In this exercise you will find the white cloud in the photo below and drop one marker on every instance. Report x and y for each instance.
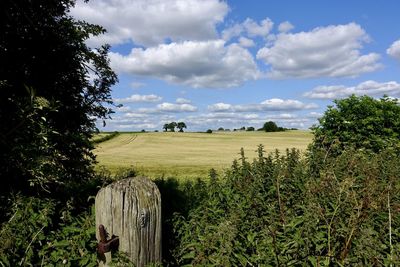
(150, 22)
(371, 88)
(332, 51)
(254, 29)
(169, 107)
(233, 31)
(314, 115)
(274, 104)
(250, 28)
(394, 50)
(208, 64)
(123, 109)
(138, 98)
(246, 42)
(220, 107)
(285, 26)
(288, 104)
(181, 100)
(135, 115)
(136, 126)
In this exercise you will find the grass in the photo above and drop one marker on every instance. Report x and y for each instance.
(189, 155)
(99, 136)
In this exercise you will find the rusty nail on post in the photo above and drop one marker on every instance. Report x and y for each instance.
(106, 245)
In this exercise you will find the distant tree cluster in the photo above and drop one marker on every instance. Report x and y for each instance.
(172, 125)
(271, 126)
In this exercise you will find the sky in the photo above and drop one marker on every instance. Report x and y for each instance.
(213, 63)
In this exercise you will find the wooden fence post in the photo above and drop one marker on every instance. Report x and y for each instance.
(131, 210)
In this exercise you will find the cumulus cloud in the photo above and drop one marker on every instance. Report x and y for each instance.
(371, 88)
(314, 115)
(285, 26)
(150, 22)
(254, 29)
(138, 98)
(394, 50)
(274, 104)
(181, 100)
(169, 107)
(332, 51)
(123, 109)
(246, 42)
(233, 31)
(220, 107)
(288, 104)
(250, 28)
(208, 64)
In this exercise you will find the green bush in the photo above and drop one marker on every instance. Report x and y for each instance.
(105, 138)
(41, 232)
(276, 211)
(359, 122)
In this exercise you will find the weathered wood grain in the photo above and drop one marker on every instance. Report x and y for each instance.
(131, 210)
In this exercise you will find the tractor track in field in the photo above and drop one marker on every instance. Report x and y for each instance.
(130, 139)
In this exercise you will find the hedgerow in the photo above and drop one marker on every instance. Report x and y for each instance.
(275, 211)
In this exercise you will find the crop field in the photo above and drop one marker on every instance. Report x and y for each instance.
(189, 155)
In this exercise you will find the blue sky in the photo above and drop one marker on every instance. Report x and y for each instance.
(230, 64)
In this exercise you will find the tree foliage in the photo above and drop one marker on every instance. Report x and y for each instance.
(181, 125)
(172, 125)
(359, 122)
(48, 103)
(271, 126)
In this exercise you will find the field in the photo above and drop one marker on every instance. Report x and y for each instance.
(189, 155)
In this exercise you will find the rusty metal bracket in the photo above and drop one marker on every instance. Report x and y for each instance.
(105, 245)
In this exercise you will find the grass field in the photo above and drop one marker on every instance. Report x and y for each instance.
(189, 155)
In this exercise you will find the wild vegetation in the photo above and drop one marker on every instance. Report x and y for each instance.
(277, 211)
(48, 107)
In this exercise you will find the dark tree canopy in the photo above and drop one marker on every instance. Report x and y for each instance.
(48, 104)
(172, 125)
(359, 122)
(181, 125)
(270, 126)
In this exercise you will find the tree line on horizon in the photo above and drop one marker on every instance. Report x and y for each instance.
(172, 125)
(268, 126)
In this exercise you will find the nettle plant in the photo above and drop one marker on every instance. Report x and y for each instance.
(277, 211)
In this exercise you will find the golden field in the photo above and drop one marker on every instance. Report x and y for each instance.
(189, 155)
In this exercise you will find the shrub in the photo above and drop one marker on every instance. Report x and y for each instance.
(359, 122)
(275, 211)
(105, 138)
(42, 232)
